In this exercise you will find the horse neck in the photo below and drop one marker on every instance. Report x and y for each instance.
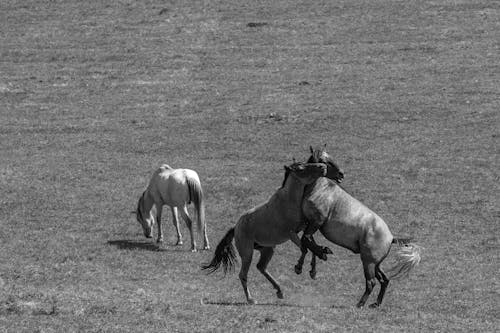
(292, 191)
(147, 203)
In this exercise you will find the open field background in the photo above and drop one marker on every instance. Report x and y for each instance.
(94, 95)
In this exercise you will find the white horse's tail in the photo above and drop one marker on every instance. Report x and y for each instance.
(196, 197)
(407, 258)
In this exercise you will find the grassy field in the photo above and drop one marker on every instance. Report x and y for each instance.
(94, 95)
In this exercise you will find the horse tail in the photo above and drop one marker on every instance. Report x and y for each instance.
(196, 196)
(407, 258)
(224, 255)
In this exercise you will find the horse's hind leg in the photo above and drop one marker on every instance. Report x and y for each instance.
(369, 269)
(206, 245)
(266, 253)
(246, 253)
(384, 282)
(175, 218)
(158, 221)
(189, 223)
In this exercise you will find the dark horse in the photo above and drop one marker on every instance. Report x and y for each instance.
(267, 225)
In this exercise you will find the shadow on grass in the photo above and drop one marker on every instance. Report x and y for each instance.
(228, 303)
(127, 244)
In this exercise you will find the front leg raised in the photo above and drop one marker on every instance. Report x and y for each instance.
(296, 240)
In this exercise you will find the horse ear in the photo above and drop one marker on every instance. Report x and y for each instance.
(324, 147)
(311, 149)
(287, 168)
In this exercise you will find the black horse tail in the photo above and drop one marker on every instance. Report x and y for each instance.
(224, 255)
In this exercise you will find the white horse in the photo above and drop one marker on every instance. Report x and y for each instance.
(176, 188)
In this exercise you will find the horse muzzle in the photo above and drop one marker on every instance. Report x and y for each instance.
(340, 178)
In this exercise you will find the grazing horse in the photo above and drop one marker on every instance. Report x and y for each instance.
(347, 222)
(267, 225)
(176, 188)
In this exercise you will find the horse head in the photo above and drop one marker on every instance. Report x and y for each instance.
(145, 223)
(320, 155)
(306, 173)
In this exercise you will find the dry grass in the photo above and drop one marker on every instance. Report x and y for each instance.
(95, 95)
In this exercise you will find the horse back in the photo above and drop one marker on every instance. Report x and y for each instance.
(169, 186)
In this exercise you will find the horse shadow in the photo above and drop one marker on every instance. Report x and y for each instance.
(278, 304)
(127, 244)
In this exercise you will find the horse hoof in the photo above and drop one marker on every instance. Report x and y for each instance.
(360, 305)
(251, 301)
(312, 274)
(159, 240)
(206, 248)
(279, 294)
(374, 305)
(194, 250)
(326, 250)
(179, 243)
(298, 270)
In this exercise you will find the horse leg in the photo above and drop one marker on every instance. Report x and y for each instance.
(312, 272)
(175, 218)
(300, 262)
(369, 269)
(189, 223)
(308, 241)
(266, 253)
(296, 240)
(246, 253)
(200, 215)
(206, 245)
(384, 282)
(158, 221)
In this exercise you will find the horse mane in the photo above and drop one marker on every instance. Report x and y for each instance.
(319, 155)
(138, 211)
(315, 156)
(287, 173)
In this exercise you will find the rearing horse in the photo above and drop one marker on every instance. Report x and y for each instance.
(176, 188)
(347, 222)
(267, 225)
